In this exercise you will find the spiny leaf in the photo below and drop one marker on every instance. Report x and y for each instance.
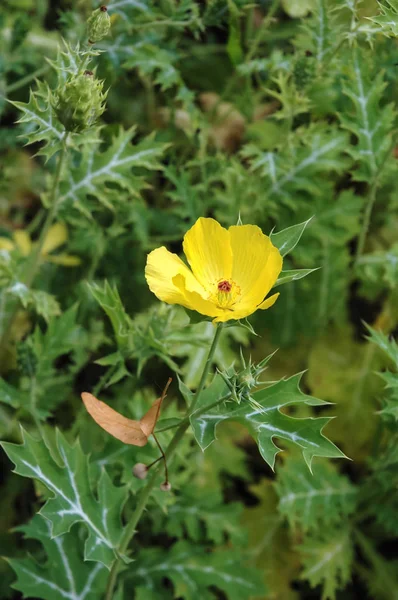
(316, 151)
(43, 303)
(113, 166)
(315, 500)
(328, 562)
(203, 516)
(370, 122)
(156, 62)
(387, 20)
(270, 547)
(73, 500)
(265, 421)
(64, 575)
(43, 125)
(192, 570)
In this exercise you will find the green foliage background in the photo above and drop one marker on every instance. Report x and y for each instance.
(276, 113)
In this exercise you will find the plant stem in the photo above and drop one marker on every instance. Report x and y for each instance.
(27, 79)
(34, 262)
(206, 370)
(130, 529)
(35, 259)
(261, 30)
(196, 413)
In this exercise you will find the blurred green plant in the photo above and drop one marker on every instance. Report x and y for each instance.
(140, 119)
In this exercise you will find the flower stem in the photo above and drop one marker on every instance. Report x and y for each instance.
(34, 262)
(206, 370)
(130, 529)
(27, 79)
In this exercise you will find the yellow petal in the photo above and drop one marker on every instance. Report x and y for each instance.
(66, 260)
(256, 264)
(23, 241)
(208, 250)
(161, 267)
(268, 302)
(6, 244)
(194, 300)
(56, 236)
(247, 310)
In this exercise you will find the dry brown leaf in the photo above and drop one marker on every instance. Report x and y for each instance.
(126, 430)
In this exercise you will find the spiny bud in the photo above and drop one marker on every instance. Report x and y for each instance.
(165, 486)
(140, 471)
(98, 25)
(80, 101)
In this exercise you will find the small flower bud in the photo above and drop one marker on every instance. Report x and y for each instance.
(140, 471)
(98, 25)
(165, 486)
(79, 102)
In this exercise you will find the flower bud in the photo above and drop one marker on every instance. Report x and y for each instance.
(98, 25)
(165, 486)
(140, 471)
(80, 101)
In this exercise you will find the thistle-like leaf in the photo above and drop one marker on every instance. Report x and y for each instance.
(316, 151)
(370, 121)
(328, 562)
(193, 570)
(42, 124)
(64, 575)
(97, 170)
(310, 501)
(265, 421)
(73, 501)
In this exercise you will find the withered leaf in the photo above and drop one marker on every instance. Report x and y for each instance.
(126, 430)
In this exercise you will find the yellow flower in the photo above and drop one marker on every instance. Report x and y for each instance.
(57, 236)
(232, 271)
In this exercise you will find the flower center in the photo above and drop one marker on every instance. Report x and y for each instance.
(224, 286)
(225, 293)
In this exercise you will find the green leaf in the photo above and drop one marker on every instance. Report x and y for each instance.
(293, 275)
(109, 300)
(328, 562)
(287, 239)
(64, 575)
(312, 501)
(98, 171)
(264, 420)
(234, 44)
(193, 570)
(386, 343)
(44, 304)
(370, 121)
(318, 152)
(73, 501)
(157, 63)
(11, 395)
(270, 546)
(203, 516)
(387, 20)
(40, 117)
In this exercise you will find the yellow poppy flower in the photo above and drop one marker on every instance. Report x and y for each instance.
(231, 271)
(57, 236)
